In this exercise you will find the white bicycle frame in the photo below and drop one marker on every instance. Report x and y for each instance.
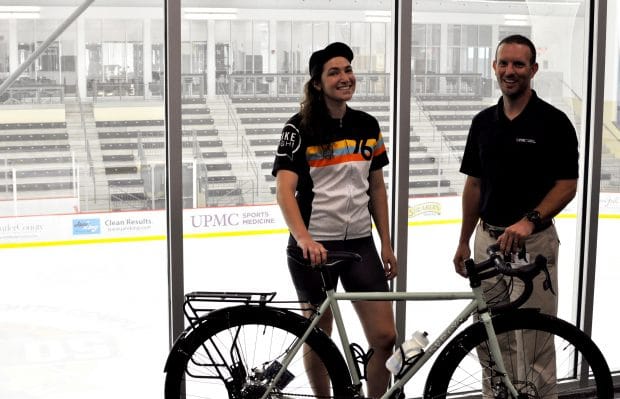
(332, 299)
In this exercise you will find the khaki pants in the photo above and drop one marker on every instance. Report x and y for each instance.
(536, 357)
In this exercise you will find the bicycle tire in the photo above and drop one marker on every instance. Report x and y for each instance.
(262, 335)
(458, 370)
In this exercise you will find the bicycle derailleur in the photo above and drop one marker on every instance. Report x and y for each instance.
(255, 385)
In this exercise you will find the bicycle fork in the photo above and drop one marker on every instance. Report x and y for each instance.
(494, 348)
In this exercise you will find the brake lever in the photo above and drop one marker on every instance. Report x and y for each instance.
(547, 285)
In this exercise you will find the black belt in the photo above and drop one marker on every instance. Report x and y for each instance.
(496, 231)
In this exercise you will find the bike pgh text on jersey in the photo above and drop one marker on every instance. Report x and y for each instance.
(332, 187)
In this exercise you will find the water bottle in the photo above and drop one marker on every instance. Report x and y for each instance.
(410, 348)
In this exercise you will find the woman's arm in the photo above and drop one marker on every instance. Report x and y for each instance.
(286, 185)
(379, 212)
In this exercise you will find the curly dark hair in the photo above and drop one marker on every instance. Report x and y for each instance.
(314, 114)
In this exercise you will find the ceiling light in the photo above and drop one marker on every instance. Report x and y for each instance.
(19, 12)
(210, 13)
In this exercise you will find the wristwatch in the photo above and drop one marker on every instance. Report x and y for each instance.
(534, 217)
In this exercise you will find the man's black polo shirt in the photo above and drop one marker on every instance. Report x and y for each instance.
(519, 161)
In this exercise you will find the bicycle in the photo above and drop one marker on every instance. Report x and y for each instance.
(255, 349)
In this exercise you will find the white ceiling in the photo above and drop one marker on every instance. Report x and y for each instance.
(556, 7)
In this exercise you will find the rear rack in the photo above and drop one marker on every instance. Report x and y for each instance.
(198, 304)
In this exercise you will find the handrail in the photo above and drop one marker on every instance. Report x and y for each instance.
(574, 93)
(200, 163)
(89, 157)
(611, 131)
(250, 161)
(124, 203)
(229, 110)
(39, 50)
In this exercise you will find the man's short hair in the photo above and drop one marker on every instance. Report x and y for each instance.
(519, 39)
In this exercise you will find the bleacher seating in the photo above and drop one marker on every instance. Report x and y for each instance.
(40, 152)
(450, 118)
(129, 146)
(36, 157)
(263, 121)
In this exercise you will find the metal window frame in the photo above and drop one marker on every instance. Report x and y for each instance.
(174, 166)
(403, 13)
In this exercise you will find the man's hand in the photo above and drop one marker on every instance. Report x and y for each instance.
(514, 236)
(462, 254)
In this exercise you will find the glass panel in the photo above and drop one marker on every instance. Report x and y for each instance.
(607, 274)
(302, 48)
(223, 57)
(442, 110)
(284, 47)
(360, 44)
(83, 282)
(343, 32)
(157, 59)
(68, 60)
(4, 48)
(230, 140)
(242, 44)
(320, 33)
(26, 46)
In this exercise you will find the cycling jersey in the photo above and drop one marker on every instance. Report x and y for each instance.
(332, 188)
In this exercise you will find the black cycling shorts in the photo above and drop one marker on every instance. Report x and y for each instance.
(365, 276)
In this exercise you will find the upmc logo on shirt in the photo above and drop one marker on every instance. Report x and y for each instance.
(290, 141)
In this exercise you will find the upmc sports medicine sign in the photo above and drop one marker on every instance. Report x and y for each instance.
(100, 227)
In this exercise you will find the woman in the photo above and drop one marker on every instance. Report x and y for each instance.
(329, 181)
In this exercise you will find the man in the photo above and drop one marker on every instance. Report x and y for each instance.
(521, 162)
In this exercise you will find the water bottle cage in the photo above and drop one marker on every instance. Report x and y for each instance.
(405, 364)
(361, 358)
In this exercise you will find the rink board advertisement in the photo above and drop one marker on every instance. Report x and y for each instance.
(120, 226)
(206, 222)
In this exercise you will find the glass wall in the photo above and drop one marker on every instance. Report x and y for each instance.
(262, 65)
(607, 275)
(83, 287)
(4, 50)
(442, 109)
(82, 298)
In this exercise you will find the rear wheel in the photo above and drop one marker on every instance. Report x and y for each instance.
(236, 352)
(458, 370)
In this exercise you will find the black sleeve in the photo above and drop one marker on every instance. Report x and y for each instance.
(290, 154)
(565, 151)
(471, 164)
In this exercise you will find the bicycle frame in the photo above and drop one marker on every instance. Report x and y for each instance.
(477, 301)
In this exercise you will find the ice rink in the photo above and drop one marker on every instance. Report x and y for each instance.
(90, 320)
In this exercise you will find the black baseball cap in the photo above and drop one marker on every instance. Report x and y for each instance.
(320, 57)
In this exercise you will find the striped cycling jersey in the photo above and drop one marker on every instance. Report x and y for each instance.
(332, 188)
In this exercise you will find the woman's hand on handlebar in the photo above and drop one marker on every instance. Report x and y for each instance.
(312, 251)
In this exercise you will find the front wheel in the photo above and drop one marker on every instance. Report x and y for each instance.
(464, 366)
(236, 352)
